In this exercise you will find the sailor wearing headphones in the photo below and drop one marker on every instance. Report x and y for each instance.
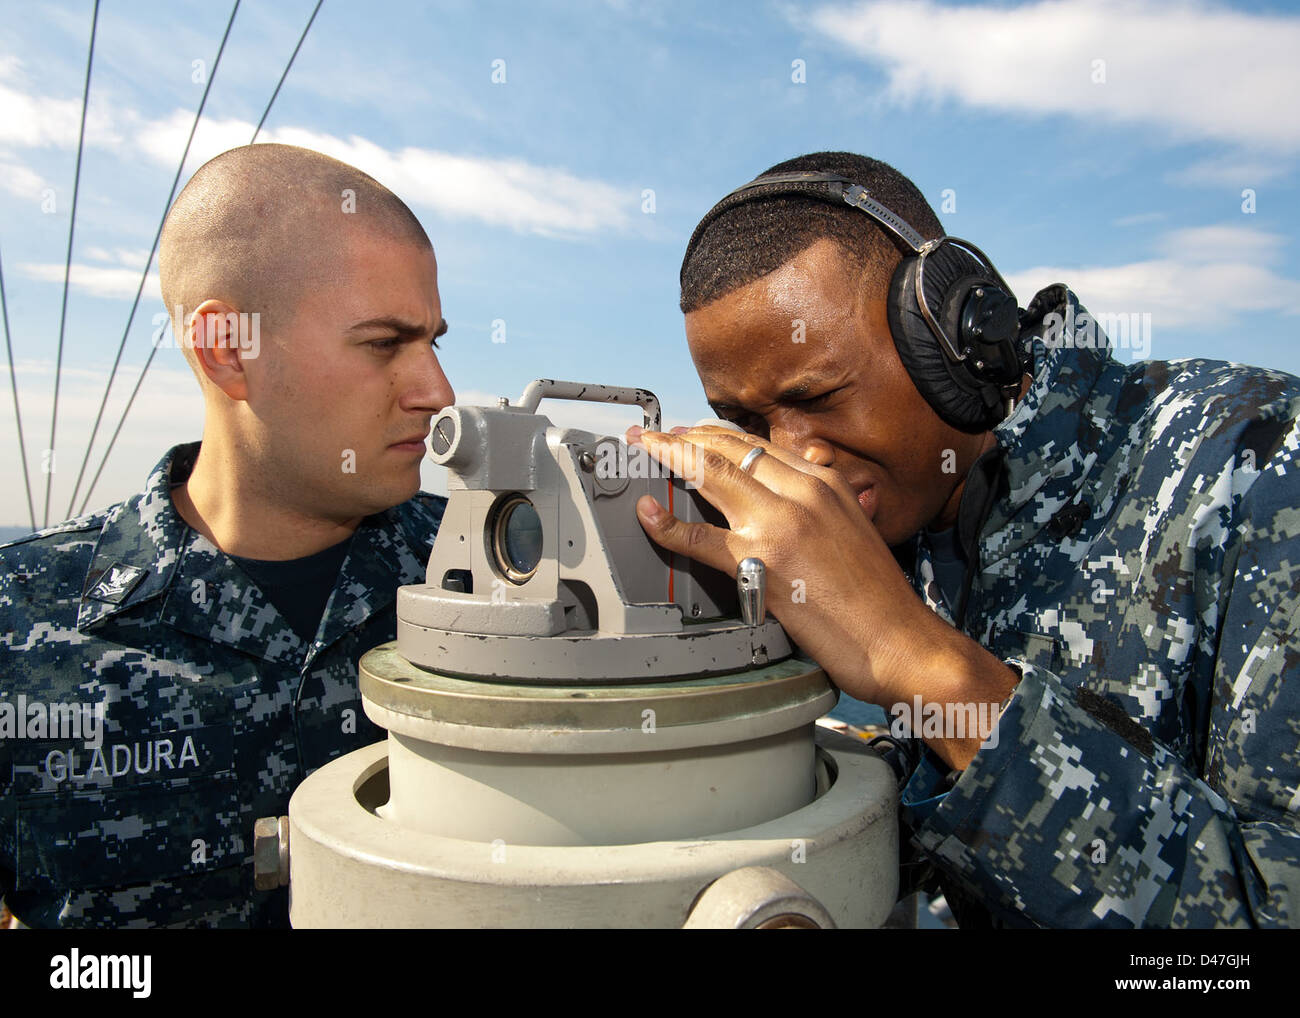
(1078, 579)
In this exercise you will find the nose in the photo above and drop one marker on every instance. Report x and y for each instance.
(792, 433)
(425, 385)
(818, 452)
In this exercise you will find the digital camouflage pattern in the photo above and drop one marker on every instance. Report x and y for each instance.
(214, 708)
(1140, 564)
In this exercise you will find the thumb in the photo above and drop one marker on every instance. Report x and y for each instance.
(699, 541)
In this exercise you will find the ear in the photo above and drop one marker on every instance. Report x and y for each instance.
(219, 335)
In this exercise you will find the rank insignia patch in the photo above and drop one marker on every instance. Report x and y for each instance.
(116, 582)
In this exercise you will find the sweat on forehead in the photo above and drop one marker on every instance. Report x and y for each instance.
(258, 225)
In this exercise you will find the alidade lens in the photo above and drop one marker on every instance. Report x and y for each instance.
(517, 538)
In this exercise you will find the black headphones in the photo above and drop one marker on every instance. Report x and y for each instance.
(942, 288)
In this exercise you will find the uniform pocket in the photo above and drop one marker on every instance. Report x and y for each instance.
(128, 812)
(1036, 649)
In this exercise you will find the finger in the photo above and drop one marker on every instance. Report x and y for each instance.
(633, 434)
(785, 455)
(710, 472)
(777, 468)
(699, 541)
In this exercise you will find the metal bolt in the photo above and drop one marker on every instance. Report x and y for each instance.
(587, 461)
(788, 921)
(270, 853)
(757, 897)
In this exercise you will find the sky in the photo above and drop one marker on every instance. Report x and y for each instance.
(560, 154)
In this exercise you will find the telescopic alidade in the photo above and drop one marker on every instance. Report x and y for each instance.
(584, 730)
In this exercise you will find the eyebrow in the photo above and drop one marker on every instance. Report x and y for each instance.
(400, 326)
(791, 394)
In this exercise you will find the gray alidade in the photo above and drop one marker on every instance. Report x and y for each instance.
(541, 572)
(584, 730)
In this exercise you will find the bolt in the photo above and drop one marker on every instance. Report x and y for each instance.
(270, 853)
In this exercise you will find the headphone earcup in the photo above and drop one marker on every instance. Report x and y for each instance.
(961, 400)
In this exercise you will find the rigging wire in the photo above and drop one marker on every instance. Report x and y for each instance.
(149, 360)
(144, 276)
(13, 380)
(292, 57)
(48, 465)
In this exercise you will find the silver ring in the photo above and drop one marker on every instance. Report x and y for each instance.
(750, 456)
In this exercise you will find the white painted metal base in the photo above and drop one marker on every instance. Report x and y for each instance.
(351, 867)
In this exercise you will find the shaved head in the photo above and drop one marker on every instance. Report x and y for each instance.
(263, 226)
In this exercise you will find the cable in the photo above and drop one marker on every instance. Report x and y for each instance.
(292, 57)
(144, 276)
(67, 268)
(13, 380)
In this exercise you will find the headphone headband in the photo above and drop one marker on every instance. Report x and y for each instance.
(969, 294)
(835, 189)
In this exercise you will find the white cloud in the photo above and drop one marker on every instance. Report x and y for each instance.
(131, 257)
(1228, 171)
(504, 192)
(1204, 276)
(42, 121)
(1223, 243)
(163, 140)
(1199, 70)
(513, 193)
(96, 280)
(21, 180)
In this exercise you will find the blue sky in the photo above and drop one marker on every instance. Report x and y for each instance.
(1123, 179)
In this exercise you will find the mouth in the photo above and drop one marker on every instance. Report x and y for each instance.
(413, 444)
(867, 500)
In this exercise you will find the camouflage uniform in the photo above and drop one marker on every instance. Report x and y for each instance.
(214, 708)
(1138, 543)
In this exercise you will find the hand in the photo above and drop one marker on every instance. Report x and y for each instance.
(832, 581)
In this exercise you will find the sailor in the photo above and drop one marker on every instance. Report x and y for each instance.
(968, 513)
(216, 618)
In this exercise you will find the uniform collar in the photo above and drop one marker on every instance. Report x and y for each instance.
(1055, 419)
(140, 544)
(388, 550)
(149, 564)
(1050, 443)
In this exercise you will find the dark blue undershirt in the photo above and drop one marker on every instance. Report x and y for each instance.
(298, 588)
(949, 565)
